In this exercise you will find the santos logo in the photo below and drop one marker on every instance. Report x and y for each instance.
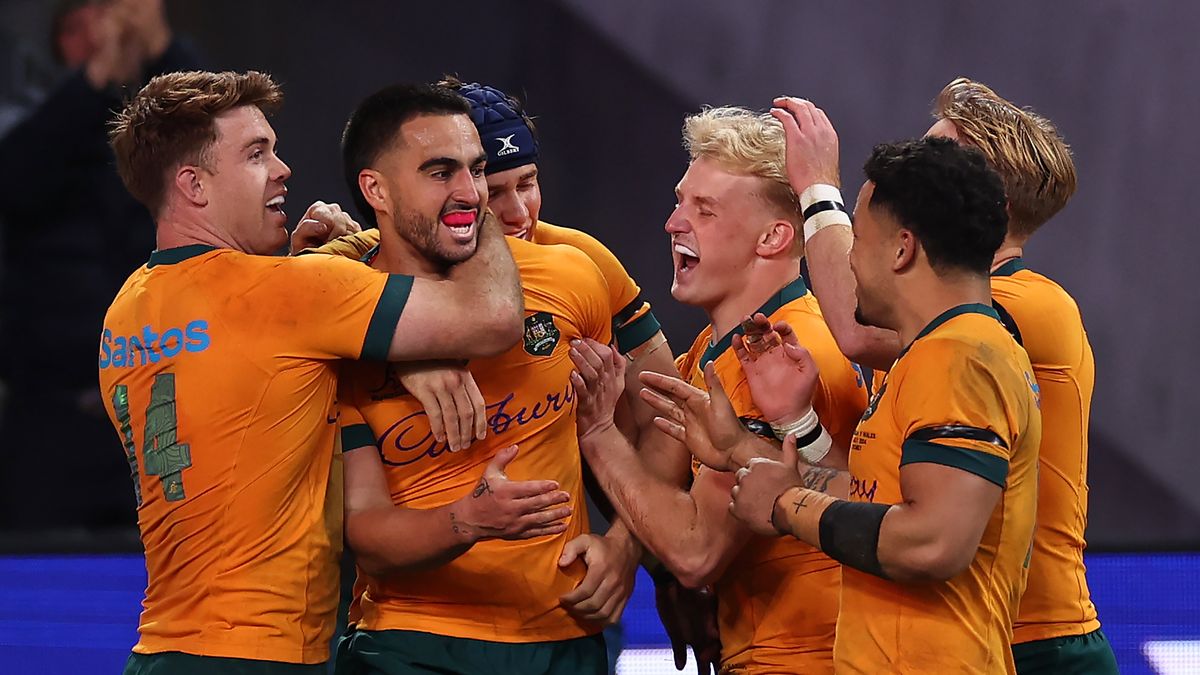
(150, 347)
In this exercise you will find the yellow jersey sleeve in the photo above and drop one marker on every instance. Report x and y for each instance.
(353, 246)
(330, 307)
(632, 321)
(352, 426)
(952, 411)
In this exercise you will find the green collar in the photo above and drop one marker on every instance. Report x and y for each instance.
(1010, 268)
(792, 291)
(170, 256)
(369, 256)
(969, 308)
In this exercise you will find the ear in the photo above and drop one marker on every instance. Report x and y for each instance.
(906, 250)
(190, 184)
(778, 239)
(370, 183)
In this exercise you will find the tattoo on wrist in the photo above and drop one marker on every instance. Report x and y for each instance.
(804, 501)
(817, 478)
(481, 488)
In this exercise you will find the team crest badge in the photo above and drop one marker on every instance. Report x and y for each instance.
(541, 335)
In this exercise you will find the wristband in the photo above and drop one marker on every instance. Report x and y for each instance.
(812, 440)
(822, 220)
(819, 192)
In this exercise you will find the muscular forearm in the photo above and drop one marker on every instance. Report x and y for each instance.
(392, 540)
(488, 283)
(894, 542)
(663, 516)
(828, 255)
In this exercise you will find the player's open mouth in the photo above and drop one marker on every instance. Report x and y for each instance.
(461, 225)
(276, 205)
(685, 258)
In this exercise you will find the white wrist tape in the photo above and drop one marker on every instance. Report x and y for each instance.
(819, 192)
(822, 220)
(812, 440)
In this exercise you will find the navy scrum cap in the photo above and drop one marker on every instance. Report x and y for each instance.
(507, 139)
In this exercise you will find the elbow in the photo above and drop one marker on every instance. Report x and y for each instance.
(933, 562)
(693, 570)
(504, 325)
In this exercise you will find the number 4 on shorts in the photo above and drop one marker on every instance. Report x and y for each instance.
(165, 456)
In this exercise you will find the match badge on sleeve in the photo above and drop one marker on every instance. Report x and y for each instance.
(541, 335)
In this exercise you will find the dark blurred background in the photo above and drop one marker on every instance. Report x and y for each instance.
(609, 83)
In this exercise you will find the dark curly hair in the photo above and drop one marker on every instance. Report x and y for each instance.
(947, 195)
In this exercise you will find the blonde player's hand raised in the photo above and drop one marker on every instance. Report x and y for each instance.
(321, 224)
(783, 378)
(704, 421)
(608, 582)
(812, 143)
(759, 485)
(500, 508)
(452, 401)
(599, 381)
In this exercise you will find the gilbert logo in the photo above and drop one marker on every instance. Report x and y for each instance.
(507, 147)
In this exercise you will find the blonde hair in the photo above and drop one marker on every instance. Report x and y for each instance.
(745, 142)
(170, 122)
(1025, 148)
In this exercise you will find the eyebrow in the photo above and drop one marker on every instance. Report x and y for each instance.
(449, 162)
(261, 140)
(528, 175)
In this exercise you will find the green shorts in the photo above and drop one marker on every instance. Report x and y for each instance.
(405, 652)
(1087, 654)
(178, 663)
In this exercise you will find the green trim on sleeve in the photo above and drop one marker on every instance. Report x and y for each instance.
(357, 436)
(635, 333)
(387, 313)
(988, 467)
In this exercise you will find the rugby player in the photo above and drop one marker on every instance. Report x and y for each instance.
(737, 250)
(440, 589)
(936, 534)
(219, 369)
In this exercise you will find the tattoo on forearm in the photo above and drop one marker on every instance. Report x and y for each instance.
(481, 488)
(817, 478)
(802, 502)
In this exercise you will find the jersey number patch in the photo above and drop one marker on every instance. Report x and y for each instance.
(164, 455)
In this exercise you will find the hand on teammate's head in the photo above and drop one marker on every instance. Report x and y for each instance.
(812, 143)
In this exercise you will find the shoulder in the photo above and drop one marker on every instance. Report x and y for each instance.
(350, 246)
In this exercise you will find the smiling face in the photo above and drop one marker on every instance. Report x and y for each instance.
(245, 181)
(871, 261)
(714, 231)
(516, 198)
(434, 184)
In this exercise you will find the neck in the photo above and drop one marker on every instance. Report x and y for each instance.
(1013, 247)
(175, 229)
(763, 280)
(398, 256)
(922, 301)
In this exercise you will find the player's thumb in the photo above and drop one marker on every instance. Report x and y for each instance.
(791, 455)
(495, 468)
(573, 550)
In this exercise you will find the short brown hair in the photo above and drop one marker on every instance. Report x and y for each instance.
(170, 123)
(1025, 148)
